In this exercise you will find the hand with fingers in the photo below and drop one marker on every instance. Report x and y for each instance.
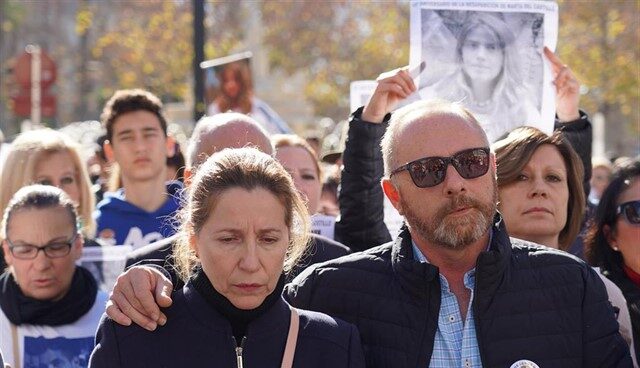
(393, 86)
(567, 88)
(138, 295)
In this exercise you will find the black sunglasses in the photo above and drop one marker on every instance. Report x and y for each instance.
(431, 171)
(631, 211)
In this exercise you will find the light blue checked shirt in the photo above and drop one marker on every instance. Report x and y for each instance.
(455, 344)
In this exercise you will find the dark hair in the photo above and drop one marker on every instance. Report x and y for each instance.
(177, 161)
(597, 249)
(130, 100)
(99, 151)
(38, 197)
(245, 168)
(515, 151)
(330, 185)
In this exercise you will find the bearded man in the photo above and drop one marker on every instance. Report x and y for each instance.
(453, 289)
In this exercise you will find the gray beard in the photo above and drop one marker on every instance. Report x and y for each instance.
(451, 233)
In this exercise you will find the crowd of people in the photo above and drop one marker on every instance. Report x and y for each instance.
(512, 254)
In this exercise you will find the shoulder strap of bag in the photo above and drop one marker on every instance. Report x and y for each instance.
(292, 339)
(16, 345)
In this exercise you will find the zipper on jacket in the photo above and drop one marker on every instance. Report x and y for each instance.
(239, 351)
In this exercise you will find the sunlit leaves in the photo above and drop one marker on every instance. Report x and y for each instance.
(599, 41)
(84, 19)
(149, 47)
(336, 43)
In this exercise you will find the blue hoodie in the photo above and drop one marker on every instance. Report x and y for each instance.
(121, 223)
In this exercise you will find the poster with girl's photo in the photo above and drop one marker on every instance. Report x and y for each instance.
(489, 56)
(229, 86)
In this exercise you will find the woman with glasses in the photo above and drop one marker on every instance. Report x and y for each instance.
(613, 240)
(49, 307)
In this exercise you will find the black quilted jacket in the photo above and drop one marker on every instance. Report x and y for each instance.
(531, 302)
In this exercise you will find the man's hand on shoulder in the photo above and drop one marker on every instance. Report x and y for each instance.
(138, 295)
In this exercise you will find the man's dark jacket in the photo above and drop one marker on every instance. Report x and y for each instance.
(530, 302)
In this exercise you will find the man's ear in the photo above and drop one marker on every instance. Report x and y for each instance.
(108, 151)
(392, 193)
(171, 146)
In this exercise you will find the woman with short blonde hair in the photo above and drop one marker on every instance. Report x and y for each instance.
(32, 151)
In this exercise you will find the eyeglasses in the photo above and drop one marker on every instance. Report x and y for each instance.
(631, 212)
(431, 171)
(56, 249)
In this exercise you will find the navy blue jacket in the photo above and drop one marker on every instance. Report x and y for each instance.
(196, 335)
(530, 302)
(122, 223)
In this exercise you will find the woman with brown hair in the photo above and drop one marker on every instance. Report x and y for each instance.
(542, 199)
(243, 227)
(540, 186)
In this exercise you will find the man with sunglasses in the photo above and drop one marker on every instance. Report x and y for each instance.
(453, 289)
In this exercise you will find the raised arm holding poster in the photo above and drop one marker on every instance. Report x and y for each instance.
(489, 56)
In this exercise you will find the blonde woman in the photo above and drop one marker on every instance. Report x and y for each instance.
(49, 157)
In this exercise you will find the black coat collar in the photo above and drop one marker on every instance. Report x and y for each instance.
(273, 321)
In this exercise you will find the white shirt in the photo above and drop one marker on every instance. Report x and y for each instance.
(66, 345)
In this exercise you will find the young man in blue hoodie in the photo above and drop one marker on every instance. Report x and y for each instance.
(142, 211)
